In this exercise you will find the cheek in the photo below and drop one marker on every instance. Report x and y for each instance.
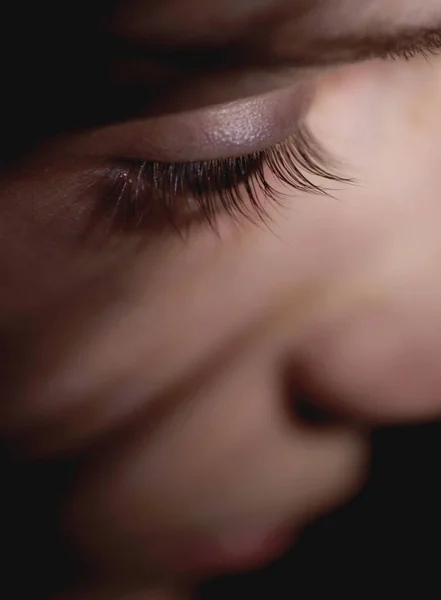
(43, 214)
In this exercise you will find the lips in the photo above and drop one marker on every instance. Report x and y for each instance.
(239, 551)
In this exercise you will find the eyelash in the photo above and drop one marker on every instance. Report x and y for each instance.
(428, 45)
(155, 194)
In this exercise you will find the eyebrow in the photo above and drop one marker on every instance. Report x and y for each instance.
(406, 42)
(242, 53)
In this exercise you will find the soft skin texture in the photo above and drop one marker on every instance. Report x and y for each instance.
(171, 365)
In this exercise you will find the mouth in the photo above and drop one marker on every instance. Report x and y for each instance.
(209, 556)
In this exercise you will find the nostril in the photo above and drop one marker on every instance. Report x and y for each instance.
(304, 406)
(309, 412)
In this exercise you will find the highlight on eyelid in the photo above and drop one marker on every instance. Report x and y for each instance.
(133, 194)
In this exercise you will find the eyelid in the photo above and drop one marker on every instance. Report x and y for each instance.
(233, 129)
(133, 195)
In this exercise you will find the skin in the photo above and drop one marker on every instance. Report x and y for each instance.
(170, 366)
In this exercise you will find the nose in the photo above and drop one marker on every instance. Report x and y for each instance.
(231, 458)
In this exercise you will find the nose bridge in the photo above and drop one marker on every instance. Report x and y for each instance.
(285, 342)
(293, 314)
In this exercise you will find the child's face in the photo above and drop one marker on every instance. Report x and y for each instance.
(181, 370)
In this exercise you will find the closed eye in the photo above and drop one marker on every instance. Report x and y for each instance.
(136, 193)
(139, 194)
